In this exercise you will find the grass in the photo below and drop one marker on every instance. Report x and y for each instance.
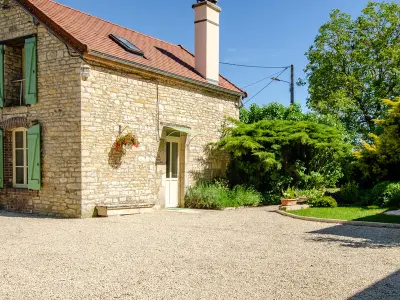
(366, 214)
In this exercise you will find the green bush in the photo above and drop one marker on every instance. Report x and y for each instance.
(391, 195)
(349, 193)
(217, 196)
(310, 194)
(246, 196)
(272, 155)
(271, 198)
(326, 201)
(376, 194)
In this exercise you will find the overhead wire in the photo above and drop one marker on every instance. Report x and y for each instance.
(265, 78)
(252, 66)
(267, 85)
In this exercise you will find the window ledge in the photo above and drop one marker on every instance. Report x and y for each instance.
(12, 110)
(20, 187)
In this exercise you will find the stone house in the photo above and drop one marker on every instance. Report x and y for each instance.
(71, 84)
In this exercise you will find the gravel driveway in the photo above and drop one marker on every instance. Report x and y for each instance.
(242, 254)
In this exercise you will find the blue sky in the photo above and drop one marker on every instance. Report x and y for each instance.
(258, 32)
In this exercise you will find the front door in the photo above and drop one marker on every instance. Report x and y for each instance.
(172, 175)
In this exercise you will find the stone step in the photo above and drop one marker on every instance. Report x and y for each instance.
(124, 209)
(294, 207)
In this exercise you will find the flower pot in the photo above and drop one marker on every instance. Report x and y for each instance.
(288, 202)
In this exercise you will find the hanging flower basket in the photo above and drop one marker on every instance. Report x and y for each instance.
(127, 140)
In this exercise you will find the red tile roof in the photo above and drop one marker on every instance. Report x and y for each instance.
(89, 34)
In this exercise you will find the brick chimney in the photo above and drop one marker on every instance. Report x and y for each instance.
(206, 21)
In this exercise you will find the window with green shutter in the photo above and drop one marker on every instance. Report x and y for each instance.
(1, 75)
(30, 71)
(34, 169)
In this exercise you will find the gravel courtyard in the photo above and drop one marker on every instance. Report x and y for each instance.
(241, 254)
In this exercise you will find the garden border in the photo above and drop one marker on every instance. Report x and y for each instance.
(343, 222)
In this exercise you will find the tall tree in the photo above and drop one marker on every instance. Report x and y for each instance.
(354, 64)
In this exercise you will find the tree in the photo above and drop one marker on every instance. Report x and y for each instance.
(276, 111)
(380, 160)
(272, 155)
(353, 64)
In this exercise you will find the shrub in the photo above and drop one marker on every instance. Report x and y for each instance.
(326, 201)
(210, 196)
(217, 196)
(271, 198)
(310, 194)
(376, 194)
(380, 160)
(391, 195)
(272, 155)
(246, 196)
(349, 193)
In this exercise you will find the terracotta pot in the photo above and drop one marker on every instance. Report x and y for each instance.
(288, 202)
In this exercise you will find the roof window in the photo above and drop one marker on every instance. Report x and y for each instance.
(127, 45)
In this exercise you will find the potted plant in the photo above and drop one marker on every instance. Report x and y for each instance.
(289, 197)
(127, 140)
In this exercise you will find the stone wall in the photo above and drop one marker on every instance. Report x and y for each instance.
(12, 72)
(80, 121)
(58, 112)
(116, 99)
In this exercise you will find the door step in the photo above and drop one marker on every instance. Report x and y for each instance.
(123, 209)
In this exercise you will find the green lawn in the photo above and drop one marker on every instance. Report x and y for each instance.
(349, 214)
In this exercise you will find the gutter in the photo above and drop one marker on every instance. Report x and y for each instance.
(164, 73)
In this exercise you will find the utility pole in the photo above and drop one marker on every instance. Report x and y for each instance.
(291, 84)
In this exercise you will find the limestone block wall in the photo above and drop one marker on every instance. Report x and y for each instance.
(114, 100)
(58, 111)
(12, 72)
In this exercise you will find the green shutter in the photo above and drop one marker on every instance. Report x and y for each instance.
(1, 160)
(34, 172)
(1, 75)
(30, 71)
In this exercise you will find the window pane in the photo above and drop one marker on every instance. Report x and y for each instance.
(174, 160)
(19, 176)
(19, 158)
(168, 160)
(19, 139)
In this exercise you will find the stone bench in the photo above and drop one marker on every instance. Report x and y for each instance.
(123, 209)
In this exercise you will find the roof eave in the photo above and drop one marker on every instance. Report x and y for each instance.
(57, 30)
(164, 73)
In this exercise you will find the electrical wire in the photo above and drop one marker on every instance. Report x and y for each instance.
(270, 76)
(260, 91)
(250, 66)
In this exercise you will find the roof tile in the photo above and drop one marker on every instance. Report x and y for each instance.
(93, 33)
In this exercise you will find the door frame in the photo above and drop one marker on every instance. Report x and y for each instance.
(172, 139)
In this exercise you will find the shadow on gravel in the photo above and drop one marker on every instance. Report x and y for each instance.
(358, 237)
(8, 214)
(388, 289)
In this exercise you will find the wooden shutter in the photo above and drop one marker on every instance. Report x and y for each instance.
(1, 75)
(1, 159)
(34, 168)
(30, 71)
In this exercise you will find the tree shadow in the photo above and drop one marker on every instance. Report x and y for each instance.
(388, 289)
(213, 165)
(358, 236)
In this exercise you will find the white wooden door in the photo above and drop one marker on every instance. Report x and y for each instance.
(172, 175)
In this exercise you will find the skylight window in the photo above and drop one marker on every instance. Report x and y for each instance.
(127, 45)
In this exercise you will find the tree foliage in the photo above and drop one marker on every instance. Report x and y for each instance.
(380, 160)
(274, 154)
(276, 111)
(353, 64)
